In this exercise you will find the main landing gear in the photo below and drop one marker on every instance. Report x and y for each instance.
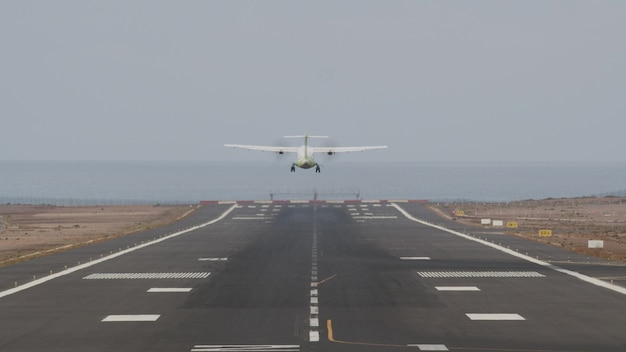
(293, 168)
(317, 168)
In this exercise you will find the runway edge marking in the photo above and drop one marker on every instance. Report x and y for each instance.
(575, 274)
(109, 257)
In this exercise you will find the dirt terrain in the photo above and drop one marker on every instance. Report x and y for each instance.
(572, 221)
(27, 231)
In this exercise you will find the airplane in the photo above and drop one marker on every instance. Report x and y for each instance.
(305, 152)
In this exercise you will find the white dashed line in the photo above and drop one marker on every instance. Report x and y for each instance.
(137, 317)
(314, 336)
(245, 348)
(494, 316)
(252, 217)
(375, 217)
(457, 288)
(415, 258)
(169, 289)
(109, 257)
(575, 274)
(223, 259)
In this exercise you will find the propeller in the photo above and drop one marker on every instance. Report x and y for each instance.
(280, 156)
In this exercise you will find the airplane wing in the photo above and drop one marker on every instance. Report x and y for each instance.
(279, 150)
(333, 150)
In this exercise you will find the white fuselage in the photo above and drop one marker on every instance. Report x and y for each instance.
(305, 158)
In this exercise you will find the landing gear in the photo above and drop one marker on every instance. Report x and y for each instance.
(293, 168)
(317, 168)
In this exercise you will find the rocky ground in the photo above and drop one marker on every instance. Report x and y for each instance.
(572, 221)
(27, 231)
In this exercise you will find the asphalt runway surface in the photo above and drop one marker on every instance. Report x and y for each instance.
(370, 276)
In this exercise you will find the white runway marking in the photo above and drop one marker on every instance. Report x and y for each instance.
(457, 288)
(575, 274)
(314, 323)
(480, 274)
(494, 316)
(429, 347)
(223, 259)
(375, 217)
(245, 348)
(137, 317)
(169, 289)
(253, 217)
(109, 257)
(415, 258)
(144, 276)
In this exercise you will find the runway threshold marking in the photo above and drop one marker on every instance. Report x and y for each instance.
(109, 257)
(575, 274)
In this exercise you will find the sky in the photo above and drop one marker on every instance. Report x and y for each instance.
(436, 81)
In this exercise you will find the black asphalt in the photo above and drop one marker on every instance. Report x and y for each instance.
(291, 265)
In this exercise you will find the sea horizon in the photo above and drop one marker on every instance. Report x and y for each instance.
(103, 182)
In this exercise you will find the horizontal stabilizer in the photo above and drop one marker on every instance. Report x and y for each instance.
(305, 136)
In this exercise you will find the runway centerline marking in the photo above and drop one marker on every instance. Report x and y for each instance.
(575, 274)
(109, 257)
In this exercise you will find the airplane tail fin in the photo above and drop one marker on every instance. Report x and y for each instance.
(305, 136)
(306, 141)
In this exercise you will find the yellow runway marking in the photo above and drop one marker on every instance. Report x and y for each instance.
(326, 279)
(331, 338)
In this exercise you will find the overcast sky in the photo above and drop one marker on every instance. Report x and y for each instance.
(434, 80)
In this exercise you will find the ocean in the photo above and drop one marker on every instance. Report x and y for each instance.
(174, 182)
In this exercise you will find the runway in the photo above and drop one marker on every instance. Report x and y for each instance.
(344, 276)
